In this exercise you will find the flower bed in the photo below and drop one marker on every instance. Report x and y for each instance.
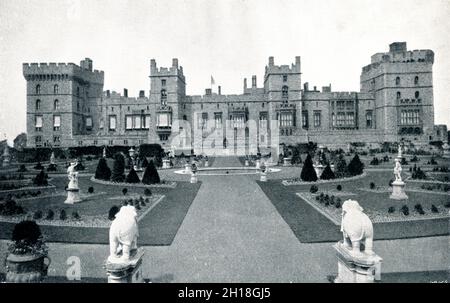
(300, 182)
(163, 184)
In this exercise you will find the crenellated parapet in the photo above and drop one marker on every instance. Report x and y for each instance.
(271, 68)
(174, 70)
(62, 71)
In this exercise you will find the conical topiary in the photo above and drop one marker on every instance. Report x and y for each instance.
(132, 177)
(118, 170)
(355, 167)
(327, 173)
(144, 163)
(103, 172)
(41, 179)
(151, 174)
(308, 173)
(341, 167)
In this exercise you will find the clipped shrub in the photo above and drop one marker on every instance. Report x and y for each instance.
(147, 192)
(132, 177)
(147, 200)
(391, 209)
(117, 174)
(76, 215)
(327, 203)
(355, 167)
(27, 239)
(62, 215)
(137, 206)
(144, 163)
(124, 191)
(339, 187)
(434, 209)
(419, 209)
(447, 204)
(375, 161)
(91, 190)
(372, 185)
(79, 166)
(313, 189)
(22, 168)
(308, 173)
(50, 215)
(37, 215)
(341, 167)
(405, 210)
(51, 167)
(112, 212)
(327, 173)
(103, 172)
(41, 179)
(151, 175)
(39, 166)
(338, 203)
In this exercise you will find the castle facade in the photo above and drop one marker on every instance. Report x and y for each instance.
(67, 106)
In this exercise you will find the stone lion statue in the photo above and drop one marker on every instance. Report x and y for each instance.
(123, 235)
(356, 228)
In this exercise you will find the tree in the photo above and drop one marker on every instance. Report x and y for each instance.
(132, 177)
(144, 163)
(296, 158)
(308, 172)
(118, 170)
(151, 174)
(20, 142)
(41, 179)
(341, 167)
(327, 173)
(103, 172)
(355, 167)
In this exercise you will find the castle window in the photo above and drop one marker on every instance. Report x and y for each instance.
(410, 117)
(416, 95)
(218, 120)
(164, 120)
(399, 95)
(38, 89)
(95, 142)
(137, 122)
(262, 105)
(317, 118)
(285, 78)
(101, 124)
(78, 105)
(286, 119)
(397, 81)
(78, 91)
(56, 139)
(184, 117)
(217, 105)
(128, 122)
(163, 137)
(263, 120)
(56, 122)
(305, 119)
(163, 82)
(163, 97)
(89, 123)
(147, 122)
(38, 104)
(38, 140)
(369, 119)
(333, 119)
(202, 120)
(416, 80)
(38, 123)
(284, 92)
(56, 105)
(111, 142)
(125, 142)
(56, 89)
(112, 122)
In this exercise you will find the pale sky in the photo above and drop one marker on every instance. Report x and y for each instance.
(229, 39)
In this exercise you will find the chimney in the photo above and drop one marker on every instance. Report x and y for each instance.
(219, 90)
(245, 83)
(175, 62)
(315, 88)
(305, 86)
(270, 61)
(125, 93)
(108, 93)
(208, 92)
(253, 81)
(297, 60)
(153, 68)
(142, 94)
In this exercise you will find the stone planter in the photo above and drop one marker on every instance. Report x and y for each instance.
(246, 163)
(258, 164)
(166, 164)
(26, 268)
(287, 161)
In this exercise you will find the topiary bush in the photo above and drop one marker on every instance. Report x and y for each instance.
(75, 215)
(22, 168)
(103, 172)
(62, 215)
(91, 190)
(338, 203)
(144, 163)
(27, 239)
(434, 209)
(51, 167)
(313, 189)
(132, 177)
(405, 210)
(391, 209)
(418, 207)
(308, 173)
(50, 215)
(151, 175)
(39, 166)
(117, 174)
(124, 191)
(37, 215)
(372, 185)
(355, 167)
(147, 192)
(41, 179)
(327, 173)
(341, 167)
(339, 187)
(112, 212)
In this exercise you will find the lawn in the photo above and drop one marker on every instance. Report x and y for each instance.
(311, 226)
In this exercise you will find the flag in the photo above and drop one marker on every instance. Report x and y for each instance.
(212, 80)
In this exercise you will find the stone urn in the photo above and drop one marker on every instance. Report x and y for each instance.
(26, 268)
(166, 163)
(246, 162)
(287, 161)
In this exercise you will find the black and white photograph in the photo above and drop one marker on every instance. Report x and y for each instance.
(227, 142)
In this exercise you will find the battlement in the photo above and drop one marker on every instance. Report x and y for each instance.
(271, 68)
(47, 71)
(174, 70)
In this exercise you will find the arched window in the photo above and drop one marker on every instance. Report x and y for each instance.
(56, 105)
(56, 89)
(184, 118)
(399, 95)
(416, 95)
(397, 81)
(284, 92)
(38, 104)
(38, 89)
(416, 80)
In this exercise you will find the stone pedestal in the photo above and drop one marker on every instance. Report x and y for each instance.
(166, 163)
(130, 272)
(246, 162)
(194, 177)
(206, 163)
(287, 161)
(187, 168)
(398, 191)
(73, 196)
(356, 268)
(263, 177)
(258, 164)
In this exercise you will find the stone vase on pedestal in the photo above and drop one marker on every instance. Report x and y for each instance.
(166, 163)
(246, 162)
(194, 177)
(263, 177)
(258, 164)
(26, 268)
(187, 168)
(398, 191)
(287, 161)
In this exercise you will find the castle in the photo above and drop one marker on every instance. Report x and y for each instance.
(67, 106)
